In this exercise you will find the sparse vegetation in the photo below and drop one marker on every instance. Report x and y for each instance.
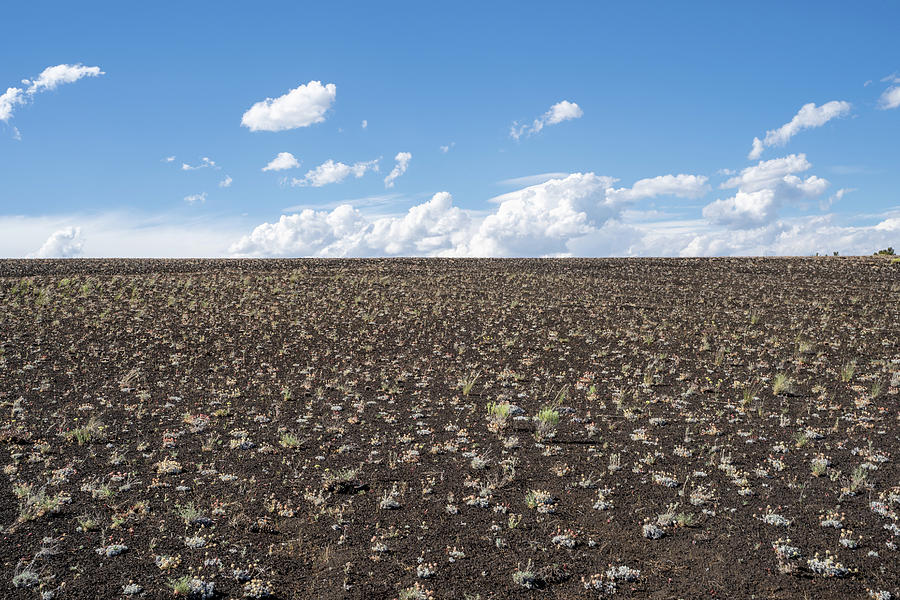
(782, 384)
(499, 414)
(91, 431)
(422, 429)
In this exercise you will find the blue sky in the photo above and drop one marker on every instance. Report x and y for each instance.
(646, 115)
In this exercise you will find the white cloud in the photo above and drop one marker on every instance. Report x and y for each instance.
(225, 183)
(534, 221)
(744, 209)
(563, 111)
(613, 238)
(682, 186)
(204, 163)
(8, 101)
(307, 233)
(300, 107)
(196, 198)
(64, 243)
(797, 237)
(284, 160)
(559, 112)
(169, 159)
(365, 123)
(756, 149)
(52, 77)
(541, 219)
(761, 191)
(767, 173)
(446, 149)
(577, 213)
(125, 234)
(891, 225)
(889, 99)
(434, 227)
(334, 172)
(825, 204)
(838, 195)
(809, 116)
(402, 159)
(800, 236)
(49, 79)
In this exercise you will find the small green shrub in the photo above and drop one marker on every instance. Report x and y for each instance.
(547, 419)
(782, 384)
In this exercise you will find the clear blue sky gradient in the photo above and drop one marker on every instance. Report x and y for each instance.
(665, 88)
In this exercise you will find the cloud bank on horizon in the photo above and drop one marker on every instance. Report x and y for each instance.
(582, 214)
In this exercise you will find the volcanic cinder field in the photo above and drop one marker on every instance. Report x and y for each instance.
(635, 428)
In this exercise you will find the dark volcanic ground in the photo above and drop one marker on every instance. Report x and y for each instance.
(322, 428)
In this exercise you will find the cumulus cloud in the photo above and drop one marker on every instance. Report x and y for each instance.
(682, 186)
(584, 214)
(8, 101)
(49, 79)
(538, 220)
(196, 198)
(890, 98)
(64, 243)
(205, 162)
(580, 214)
(563, 111)
(541, 219)
(767, 173)
(891, 225)
(225, 183)
(169, 159)
(284, 160)
(809, 116)
(365, 123)
(402, 162)
(762, 189)
(307, 233)
(744, 209)
(302, 106)
(559, 112)
(432, 228)
(446, 149)
(334, 172)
